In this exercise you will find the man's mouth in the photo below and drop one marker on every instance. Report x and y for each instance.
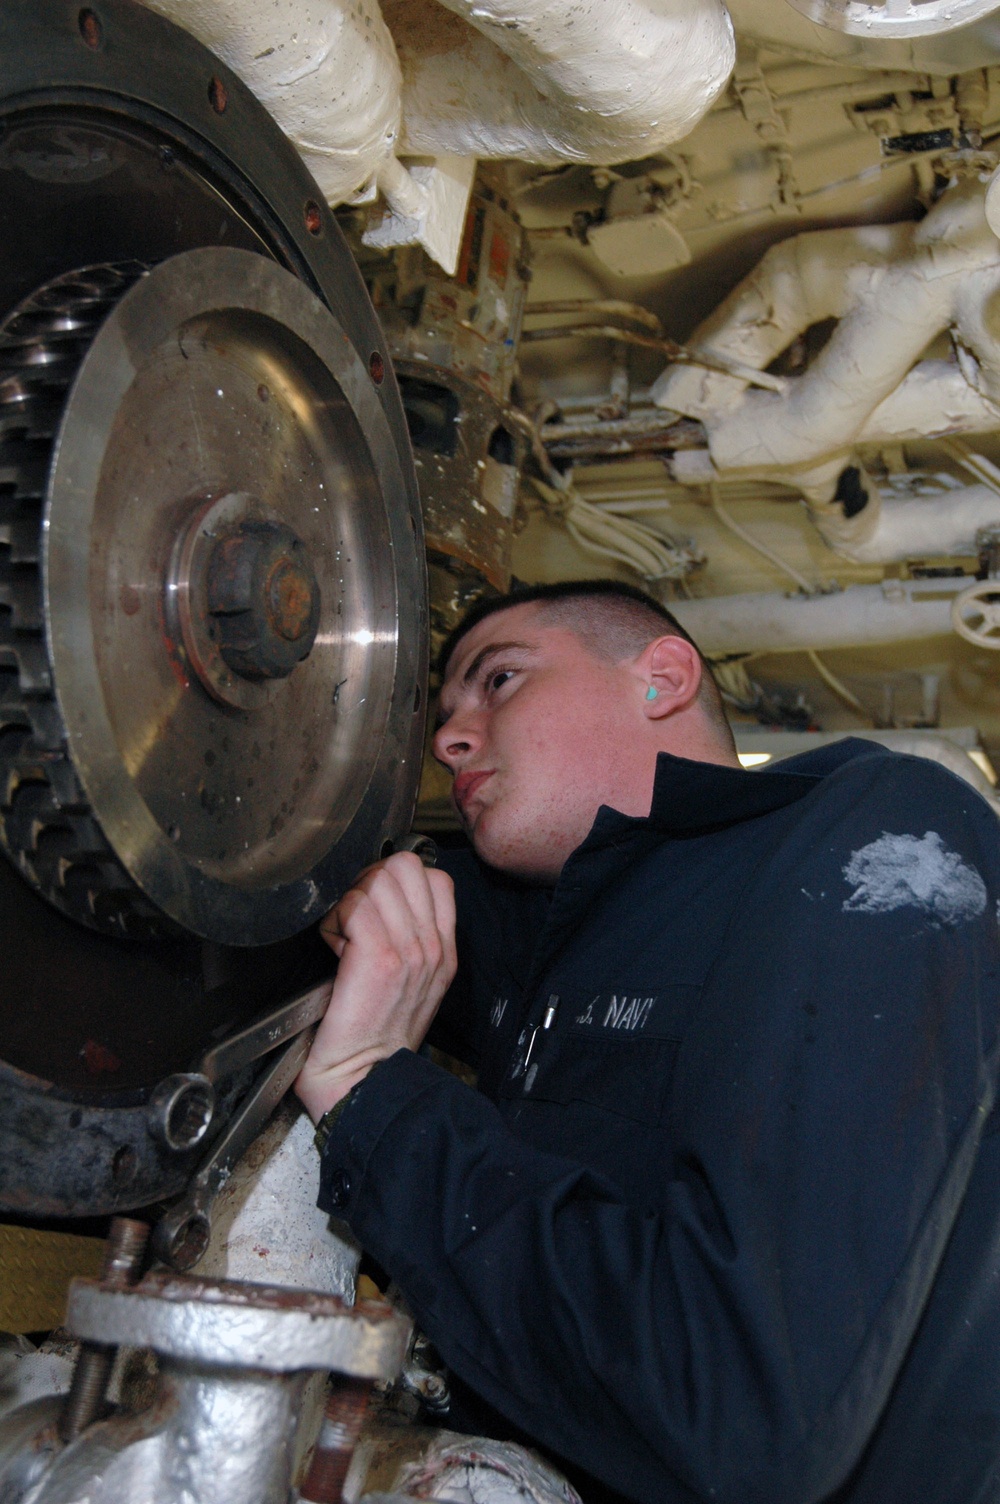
(466, 785)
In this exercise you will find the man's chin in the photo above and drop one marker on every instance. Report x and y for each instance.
(511, 852)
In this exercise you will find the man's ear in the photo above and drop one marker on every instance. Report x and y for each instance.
(671, 667)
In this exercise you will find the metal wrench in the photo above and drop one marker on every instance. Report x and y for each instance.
(186, 1103)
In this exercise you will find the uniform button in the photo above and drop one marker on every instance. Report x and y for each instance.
(340, 1189)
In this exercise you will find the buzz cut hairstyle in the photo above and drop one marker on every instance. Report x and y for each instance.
(614, 620)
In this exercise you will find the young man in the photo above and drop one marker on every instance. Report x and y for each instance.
(723, 1220)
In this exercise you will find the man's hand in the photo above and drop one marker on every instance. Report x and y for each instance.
(394, 934)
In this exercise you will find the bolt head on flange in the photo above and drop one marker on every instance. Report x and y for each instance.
(242, 599)
(263, 599)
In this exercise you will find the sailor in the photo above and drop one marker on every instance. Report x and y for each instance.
(722, 1220)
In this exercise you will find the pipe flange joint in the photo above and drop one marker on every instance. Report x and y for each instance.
(237, 1325)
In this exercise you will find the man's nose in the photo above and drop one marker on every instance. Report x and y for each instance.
(454, 739)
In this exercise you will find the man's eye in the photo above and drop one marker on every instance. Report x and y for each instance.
(499, 677)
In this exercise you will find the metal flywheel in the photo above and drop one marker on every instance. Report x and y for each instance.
(213, 622)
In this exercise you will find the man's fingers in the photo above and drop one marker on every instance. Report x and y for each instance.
(409, 876)
(394, 932)
(442, 891)
(399, 911)
(400, 890)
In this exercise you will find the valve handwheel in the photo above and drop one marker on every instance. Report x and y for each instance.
(975, 614)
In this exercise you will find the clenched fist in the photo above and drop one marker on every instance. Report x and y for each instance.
(394, 935)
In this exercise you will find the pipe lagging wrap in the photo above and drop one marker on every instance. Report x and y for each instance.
(549, 81)
(893, 289)
(860, 616)
(553, 81)
(327, 72)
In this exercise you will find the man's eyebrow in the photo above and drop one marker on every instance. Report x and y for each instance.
(487, 652)
(481, 657)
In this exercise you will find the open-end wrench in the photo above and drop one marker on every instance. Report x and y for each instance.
(186, 1103)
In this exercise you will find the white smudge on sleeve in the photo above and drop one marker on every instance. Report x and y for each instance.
(896, 872)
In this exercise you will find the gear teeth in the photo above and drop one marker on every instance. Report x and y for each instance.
(25, 476)
(30, 661)
(46, 824)
(25, 536)
(19, 594)
(34, 419)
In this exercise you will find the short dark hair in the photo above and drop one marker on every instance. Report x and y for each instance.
(614, 620)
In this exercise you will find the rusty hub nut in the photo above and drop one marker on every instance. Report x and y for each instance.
(263, 600)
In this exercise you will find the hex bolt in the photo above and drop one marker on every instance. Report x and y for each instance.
(190, 1241)
(123, 1254)
(263, 599)
(181, 1110)
(342, 1421)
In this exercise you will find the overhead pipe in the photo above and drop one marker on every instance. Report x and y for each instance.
(860, 616)
(550, 81)
(599, 81)
(943, 524)
(327, 72)
(893, 289)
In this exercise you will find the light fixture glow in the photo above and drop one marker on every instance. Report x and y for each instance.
(753, 759)
(983, 763)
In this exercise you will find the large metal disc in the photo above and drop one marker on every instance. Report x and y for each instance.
(221, 393)
(123, 143)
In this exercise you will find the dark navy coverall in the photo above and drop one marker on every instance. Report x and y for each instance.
(729, 1227)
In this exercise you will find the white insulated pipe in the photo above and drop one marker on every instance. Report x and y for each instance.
(860, 616)
(913, 527)
(548, 81)
(552, 81)
(893, 289)
(327, 71)
(935, 399)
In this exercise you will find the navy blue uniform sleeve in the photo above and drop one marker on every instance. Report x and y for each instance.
(736, 1338)
(457, 1028)
(495, 921)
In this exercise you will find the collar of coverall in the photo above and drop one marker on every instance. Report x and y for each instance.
(690, 796)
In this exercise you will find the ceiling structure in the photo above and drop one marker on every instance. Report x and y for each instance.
(834, 439)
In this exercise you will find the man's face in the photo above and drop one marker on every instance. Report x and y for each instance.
(538, 733)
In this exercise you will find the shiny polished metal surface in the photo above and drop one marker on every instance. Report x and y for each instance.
(219, 380)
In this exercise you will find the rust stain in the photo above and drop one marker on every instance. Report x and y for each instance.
(98, 1059)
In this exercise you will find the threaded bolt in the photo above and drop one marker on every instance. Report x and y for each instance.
(342, 1421)
(123, 1254)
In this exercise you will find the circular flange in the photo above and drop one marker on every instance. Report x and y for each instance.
(220, 374)
(241, 1325)
(887, 20)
